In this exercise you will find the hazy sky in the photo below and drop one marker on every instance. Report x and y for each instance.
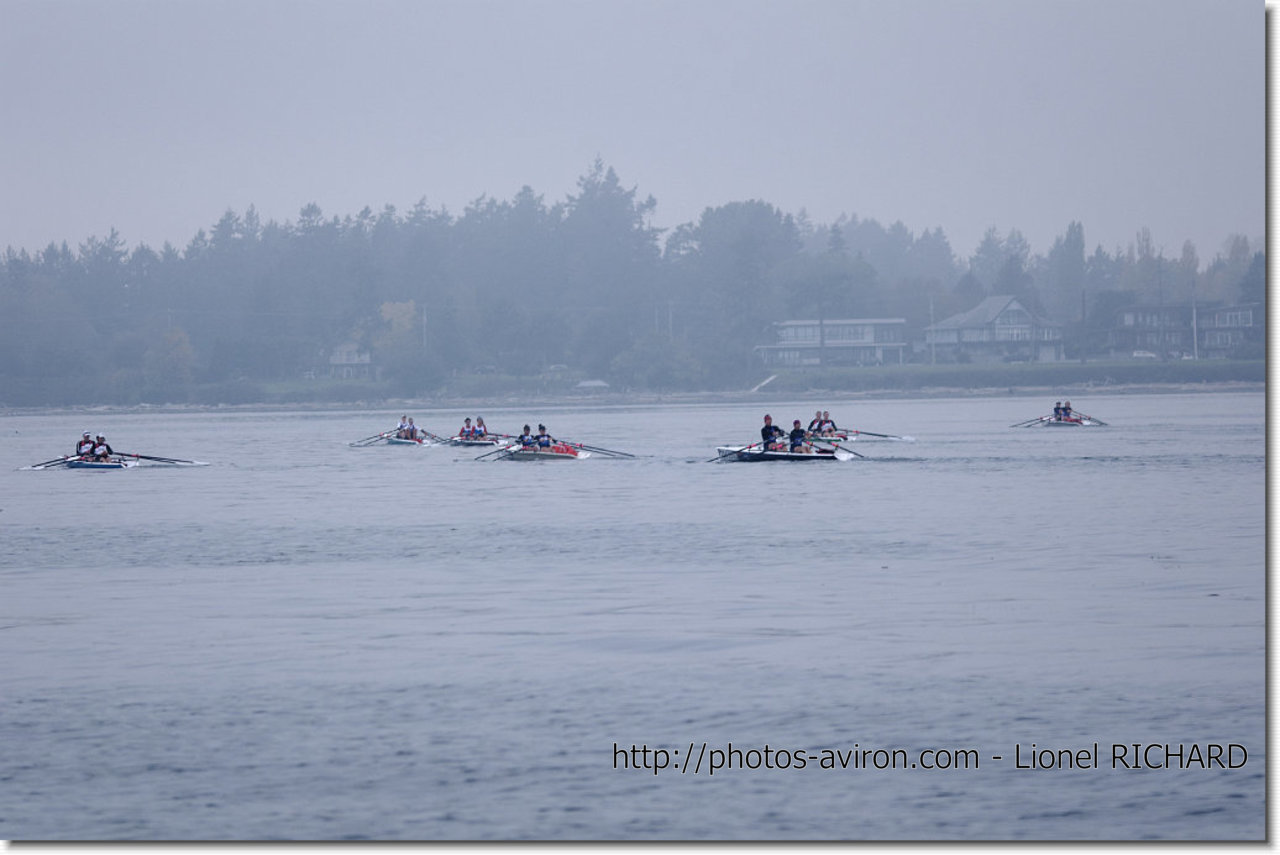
(156, 116)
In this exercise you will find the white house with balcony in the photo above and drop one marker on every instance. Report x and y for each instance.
(999, 329)
(854, 341)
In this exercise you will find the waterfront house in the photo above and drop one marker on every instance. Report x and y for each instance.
(826, 343)
(999, 329)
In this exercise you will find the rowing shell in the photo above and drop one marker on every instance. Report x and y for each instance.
(745, 454)
(488, 440)
(114, 463)
(1052, 422)
(396, 440)
(555, 452)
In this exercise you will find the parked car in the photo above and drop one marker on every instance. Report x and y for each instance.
(1144, 354)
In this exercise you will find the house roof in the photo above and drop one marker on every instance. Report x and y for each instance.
(985, 314)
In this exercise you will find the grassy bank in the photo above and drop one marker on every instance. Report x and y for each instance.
(1062, 375)
(904, 380)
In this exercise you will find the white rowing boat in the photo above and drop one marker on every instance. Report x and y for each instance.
(1051, 422)
(560, 451)
(863, 436)
(489, 441)
(755, 454)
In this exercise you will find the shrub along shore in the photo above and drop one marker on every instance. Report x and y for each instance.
(890, 381)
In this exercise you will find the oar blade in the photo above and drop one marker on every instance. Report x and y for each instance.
(172, 461)
(731, 452)
(606, 451)
(47, 464)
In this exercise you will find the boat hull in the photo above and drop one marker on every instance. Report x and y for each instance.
(101, 464)
(395, 440)
(554, 453)
(743, 455)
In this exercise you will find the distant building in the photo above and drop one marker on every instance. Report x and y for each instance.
(348, 361)
(1224, 331)
(1165, 330)
(857, 341)
(999, 329)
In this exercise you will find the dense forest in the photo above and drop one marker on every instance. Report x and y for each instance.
(583, 288)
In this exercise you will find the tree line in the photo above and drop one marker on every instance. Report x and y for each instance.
(522, 287)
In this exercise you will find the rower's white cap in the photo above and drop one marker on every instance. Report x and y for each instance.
(86, 433)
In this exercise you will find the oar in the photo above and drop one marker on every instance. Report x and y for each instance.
(161, 459)
(733, 451)
(885, 435)
(837, 450)
(370, 440)
(601, 450)
(49, 464)
(498, 450)
(1092, 419)
(1030, 422)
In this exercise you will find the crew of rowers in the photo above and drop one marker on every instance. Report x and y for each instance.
(822, 424)
(541, 439)
(408, 430)
(91, 448)
(774, 438)
(1062, 412)
(476, 431)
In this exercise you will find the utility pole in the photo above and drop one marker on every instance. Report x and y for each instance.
(933, 344)
(1083, 334)
(822, 338)
(1195, 333)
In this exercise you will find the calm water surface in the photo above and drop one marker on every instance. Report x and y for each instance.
(305, 640)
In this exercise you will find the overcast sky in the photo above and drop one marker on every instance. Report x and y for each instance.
(156, 116)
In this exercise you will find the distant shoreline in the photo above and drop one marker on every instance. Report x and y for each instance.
(641, 399)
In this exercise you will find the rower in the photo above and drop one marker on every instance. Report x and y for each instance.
(410, 430)
(798, 445)
(1066, 411)
(481, 430)
(465, 432)
(816, 424)
(770, 433)
(85, 446)
(544, 438)
(400, 428)
(527, 439)
(101, 450)
(827, 427)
